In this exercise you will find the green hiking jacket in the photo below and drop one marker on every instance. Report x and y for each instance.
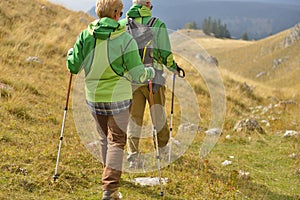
(110, 59)
(162, 47)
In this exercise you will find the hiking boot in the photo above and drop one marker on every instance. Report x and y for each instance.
(111, 195)
(132, 156)
(134, 160)
(133, 164)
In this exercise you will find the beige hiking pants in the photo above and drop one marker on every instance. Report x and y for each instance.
(140, 97)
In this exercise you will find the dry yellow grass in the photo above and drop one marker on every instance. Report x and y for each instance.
(244, 60)
(31, 110)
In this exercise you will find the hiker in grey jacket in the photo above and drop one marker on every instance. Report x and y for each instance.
(110, 60)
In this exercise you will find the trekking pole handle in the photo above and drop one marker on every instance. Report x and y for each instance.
(69, 90)
(151, 102)
(173, 93)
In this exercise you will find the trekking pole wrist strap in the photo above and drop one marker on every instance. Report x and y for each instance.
(180, 72)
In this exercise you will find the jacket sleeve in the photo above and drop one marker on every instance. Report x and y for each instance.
(75, 56)
(162, 47)
(134, 65)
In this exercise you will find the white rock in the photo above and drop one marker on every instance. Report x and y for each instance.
(34, 59)
(244, 174)
(150, 181)
(213, 131)
(226, 162)
(228, 137)
(290, 133)
(293, 155)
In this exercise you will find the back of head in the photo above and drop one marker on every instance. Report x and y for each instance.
(108, 8)
(142, 2)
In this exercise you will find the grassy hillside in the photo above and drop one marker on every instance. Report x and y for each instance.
(32, 99)
(277, 64)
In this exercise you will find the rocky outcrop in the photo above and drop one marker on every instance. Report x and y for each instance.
(293, 37)
(249, 125)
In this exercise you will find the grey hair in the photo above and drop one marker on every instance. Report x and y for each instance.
(142, 2)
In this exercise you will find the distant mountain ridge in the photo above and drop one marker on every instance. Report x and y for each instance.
(259, 19)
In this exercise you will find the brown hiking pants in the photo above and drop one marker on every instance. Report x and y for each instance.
(140, 96)
(112, 131)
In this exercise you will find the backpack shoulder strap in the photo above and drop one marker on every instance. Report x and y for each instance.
(131, 23)
(152, 21)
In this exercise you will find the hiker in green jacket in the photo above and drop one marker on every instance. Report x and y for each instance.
(141, 12)
(110, 60)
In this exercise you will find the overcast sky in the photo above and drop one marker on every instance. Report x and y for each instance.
(77, 5)
(85, 5)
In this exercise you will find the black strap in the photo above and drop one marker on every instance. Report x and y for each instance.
(152, 21)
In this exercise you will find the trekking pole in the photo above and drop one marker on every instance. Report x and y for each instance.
(171, 121)
(62, 129)
(181, 74)
(152, 112)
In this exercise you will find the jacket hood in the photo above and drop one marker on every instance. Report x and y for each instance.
(104, 28)
(138, 10)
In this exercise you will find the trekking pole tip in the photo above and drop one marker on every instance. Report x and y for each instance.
(55, 177)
